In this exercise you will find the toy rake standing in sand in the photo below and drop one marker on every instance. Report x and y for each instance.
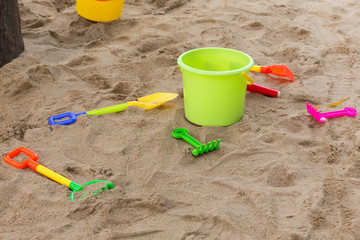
(32, 164)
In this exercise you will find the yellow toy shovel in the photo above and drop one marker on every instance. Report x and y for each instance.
(147, 103)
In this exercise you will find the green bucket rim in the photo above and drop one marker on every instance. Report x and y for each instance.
(215, 73)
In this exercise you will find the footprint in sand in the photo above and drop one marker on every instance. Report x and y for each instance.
(40, 74)
(121, 214)
(150, 44)
(165, 5)
(82, 61)
(256, 25)
(20, 86)
(291, 125)
(98, 81)
(280, 177)
(61, 5)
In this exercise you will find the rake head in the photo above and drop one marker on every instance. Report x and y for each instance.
(315, 113)
(204, 148)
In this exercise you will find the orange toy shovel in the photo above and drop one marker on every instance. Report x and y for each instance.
(278, 70)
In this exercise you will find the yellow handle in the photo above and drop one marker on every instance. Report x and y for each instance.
(255, 68)
(250, 81)
(53, 175)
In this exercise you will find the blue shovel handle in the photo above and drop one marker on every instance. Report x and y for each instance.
(71, 118)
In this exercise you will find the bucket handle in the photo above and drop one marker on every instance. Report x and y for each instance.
(250, 81)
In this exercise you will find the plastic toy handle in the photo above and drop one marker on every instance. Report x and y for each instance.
(183, 133)
(68, 117)
(261, 69)
(265, 70)
(263, 90)
(111, 109)
(255, 68)
(250, 81)
(30, 162)
(58, 178)
(348, 111)
(53, 175)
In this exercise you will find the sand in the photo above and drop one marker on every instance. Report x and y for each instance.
(278, 174)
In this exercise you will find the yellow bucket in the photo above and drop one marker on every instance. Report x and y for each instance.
(100, 10)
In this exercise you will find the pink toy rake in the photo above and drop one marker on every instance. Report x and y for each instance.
(321, 117)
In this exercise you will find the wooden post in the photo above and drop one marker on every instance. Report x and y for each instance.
(11, 42)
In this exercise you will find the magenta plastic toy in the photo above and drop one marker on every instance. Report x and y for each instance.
(321, 117)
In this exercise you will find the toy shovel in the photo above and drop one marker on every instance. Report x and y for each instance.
(147, 103)
(278, 70)
(32, 163)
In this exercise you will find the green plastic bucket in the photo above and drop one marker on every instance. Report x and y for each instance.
(214, 85)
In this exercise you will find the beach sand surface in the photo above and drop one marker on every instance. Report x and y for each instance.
(278, 174)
